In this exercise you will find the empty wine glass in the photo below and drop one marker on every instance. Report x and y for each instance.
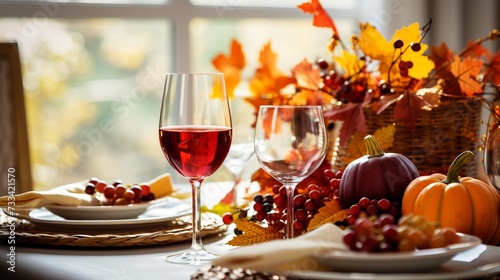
(195, 134)
(241, 150)
(290, 144)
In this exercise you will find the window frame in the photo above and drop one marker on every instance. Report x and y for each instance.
(179, 12)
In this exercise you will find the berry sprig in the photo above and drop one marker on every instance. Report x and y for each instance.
(404, 66)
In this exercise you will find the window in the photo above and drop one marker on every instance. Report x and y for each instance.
(92, 72)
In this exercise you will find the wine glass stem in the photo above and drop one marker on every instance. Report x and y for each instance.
(237, 181)
(289, 210)
(196, 215)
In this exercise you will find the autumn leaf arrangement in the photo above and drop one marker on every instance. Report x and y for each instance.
(372, 74)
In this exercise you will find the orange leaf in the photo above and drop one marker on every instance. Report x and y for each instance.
(268, 79)
(321, 17)
(330, 213)
(477, 50)
(464, 71)
(231, 65)
(253, 233)
(306, 75)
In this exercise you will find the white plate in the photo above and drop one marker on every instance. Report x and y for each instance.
(478, 262)
(154, 216)
(422, 260)
(103, 212)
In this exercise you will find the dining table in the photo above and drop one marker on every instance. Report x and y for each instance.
(53, 255)
(45, 263)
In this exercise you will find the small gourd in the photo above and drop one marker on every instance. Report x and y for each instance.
(376, 175)
(469, 205)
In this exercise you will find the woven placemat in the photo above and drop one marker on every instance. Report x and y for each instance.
(178, 230)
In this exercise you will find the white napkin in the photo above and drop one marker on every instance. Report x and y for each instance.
(67, 195)
(281, 255)
(74, 195)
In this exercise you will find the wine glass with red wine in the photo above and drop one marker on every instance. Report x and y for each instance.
(195, 134)
(290, 144)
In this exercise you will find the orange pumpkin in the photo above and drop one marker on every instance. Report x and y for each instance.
(469, 205)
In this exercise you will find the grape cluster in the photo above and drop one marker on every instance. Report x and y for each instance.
(409, 233)
(417, 233)
(118, 193)
(272, 208)
(373, 234)
(372, 207)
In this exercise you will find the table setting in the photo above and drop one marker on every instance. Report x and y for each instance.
(343, 189)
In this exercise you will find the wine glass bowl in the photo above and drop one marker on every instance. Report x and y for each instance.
(241, 151)
(290, 144)
(195, 134)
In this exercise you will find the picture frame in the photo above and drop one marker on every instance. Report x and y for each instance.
(15, 166)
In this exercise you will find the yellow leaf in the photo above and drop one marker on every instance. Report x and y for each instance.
(253, 233)
(330, 213)
(219, 209)
(350, 62)
(422, 65)
(356, 147)
(373, 44)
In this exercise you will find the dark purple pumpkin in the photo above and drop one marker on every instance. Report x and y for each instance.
(376, 175)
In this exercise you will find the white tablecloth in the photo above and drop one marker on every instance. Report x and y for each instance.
(146, 263)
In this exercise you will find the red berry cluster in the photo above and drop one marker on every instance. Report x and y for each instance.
(372, 207)
(272, 208)
(118, 193)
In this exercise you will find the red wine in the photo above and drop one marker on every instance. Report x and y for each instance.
(195, 151)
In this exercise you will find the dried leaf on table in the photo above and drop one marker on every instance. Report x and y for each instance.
(253, 233)
(330, 213)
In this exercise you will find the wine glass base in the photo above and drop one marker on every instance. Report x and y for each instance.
(191, 257)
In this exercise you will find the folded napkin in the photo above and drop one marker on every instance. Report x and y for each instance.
(67, 195)
(74, 195)
(283, 255)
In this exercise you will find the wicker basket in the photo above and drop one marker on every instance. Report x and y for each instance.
(439, 136)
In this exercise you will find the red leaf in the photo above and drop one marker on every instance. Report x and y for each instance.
(408, 108)
(493, 70)
(385, 101)
(321, 17)
(440, 54)
(353, 119)
(476, 51)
